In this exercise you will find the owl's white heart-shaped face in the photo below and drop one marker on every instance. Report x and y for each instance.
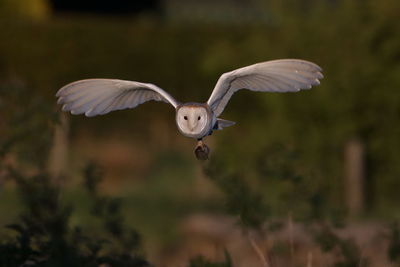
(193, 120)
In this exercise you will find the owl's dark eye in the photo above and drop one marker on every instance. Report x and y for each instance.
(198, 118)
(185, 117)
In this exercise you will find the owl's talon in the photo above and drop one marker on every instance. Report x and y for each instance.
(201, 150)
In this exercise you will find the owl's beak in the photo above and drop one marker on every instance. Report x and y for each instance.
(191, 128)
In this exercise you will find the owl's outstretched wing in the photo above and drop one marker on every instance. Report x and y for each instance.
(100, 96)
(284, 75)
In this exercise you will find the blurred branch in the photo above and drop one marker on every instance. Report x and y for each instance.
(257, 249)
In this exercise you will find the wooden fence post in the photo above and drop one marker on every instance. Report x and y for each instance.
(58, 161)
(354, 163)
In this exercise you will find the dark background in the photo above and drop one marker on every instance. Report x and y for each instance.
(117, 7)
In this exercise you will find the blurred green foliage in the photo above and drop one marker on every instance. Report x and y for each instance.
(394, 245)
(356, 43)
(27, 124)
(43, 234)
(348, 253)
(202, 262)
(240, 200)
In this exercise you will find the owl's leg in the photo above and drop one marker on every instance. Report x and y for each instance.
(201, 150)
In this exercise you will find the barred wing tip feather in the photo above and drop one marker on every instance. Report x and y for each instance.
(99, 96)
(284, 75)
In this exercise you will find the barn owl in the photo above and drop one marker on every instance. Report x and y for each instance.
(195, 120)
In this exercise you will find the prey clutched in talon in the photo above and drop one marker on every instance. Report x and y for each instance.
(201, 150)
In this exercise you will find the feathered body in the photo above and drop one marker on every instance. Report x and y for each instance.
(196, 120)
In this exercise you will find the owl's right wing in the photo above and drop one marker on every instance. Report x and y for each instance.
(284, 75)
(100, 96)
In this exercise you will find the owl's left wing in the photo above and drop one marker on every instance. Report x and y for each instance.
(100, 96)
(284, 75)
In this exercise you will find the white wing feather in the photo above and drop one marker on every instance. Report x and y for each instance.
(284, 75)
(100, 96)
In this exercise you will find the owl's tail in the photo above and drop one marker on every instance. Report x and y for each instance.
(221, 124)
